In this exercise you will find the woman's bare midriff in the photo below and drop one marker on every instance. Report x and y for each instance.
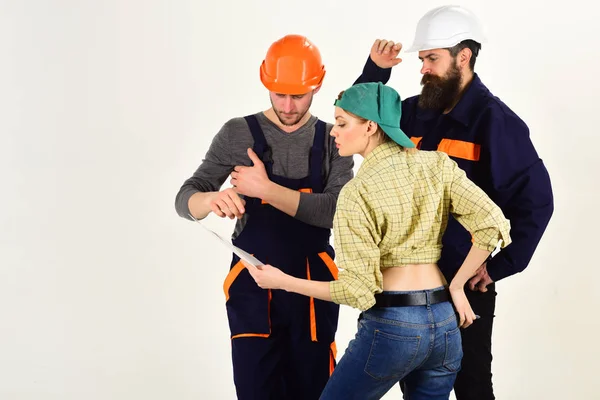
(412, 277)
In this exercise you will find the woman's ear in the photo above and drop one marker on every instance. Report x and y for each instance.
(371, 128)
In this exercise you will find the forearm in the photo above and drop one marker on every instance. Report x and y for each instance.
(529, 211)
(526, 234)
(316, 289)
(282, 198)
(473, 261)
(191, 200)
(373, 73)
(317, 209)
(196, 192)
(199, 204)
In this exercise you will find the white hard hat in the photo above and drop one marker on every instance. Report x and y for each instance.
(445, 27)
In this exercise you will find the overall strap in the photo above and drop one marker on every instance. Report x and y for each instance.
(316, 158)
(260, 147)
(262, 150)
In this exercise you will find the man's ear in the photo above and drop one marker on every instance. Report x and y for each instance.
(464, 57)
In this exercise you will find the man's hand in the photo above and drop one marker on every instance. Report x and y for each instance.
(480, 280)
(227, 203)
(384, 53)
(251, 181)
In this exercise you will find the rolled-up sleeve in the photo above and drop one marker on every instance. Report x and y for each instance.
(357, 238)
(475, 211)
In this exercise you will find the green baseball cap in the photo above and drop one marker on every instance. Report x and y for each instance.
(378, 103)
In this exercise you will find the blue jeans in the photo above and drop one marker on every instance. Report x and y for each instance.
(420, 345)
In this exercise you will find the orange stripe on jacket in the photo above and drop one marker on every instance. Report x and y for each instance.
(460, 149)
(416, 140)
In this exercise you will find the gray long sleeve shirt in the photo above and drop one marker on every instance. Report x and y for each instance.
(290, 152)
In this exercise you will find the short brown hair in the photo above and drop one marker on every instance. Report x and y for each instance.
(469, 44)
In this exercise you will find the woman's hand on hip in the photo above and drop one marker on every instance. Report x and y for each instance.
(463, 308)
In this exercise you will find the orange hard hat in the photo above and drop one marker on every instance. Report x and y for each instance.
(292, 66)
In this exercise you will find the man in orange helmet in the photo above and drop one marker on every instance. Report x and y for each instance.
(286, 175)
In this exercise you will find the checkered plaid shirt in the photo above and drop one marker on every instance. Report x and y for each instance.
(395, 211)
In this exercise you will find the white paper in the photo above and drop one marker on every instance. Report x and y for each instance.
(249, 258)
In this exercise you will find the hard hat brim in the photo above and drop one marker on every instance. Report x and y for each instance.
(445, 43)
(292, 89)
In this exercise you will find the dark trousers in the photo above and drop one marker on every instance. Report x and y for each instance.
(286, 365)
(474, 380)
(279, 368)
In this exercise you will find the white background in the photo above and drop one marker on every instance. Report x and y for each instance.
(108, 106)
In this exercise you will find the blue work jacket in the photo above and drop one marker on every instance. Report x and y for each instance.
(492, 145)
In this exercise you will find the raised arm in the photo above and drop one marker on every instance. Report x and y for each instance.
(383, 56)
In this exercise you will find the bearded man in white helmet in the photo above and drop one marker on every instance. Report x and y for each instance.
(457, 114)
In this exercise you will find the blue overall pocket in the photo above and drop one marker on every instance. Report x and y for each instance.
(247, 304)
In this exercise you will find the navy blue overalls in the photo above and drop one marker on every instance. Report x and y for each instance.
(282, 343)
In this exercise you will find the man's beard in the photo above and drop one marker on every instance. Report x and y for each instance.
(289, 122)
(440, 93)
(297, 115)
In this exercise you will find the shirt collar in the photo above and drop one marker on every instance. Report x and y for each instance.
(383, 151)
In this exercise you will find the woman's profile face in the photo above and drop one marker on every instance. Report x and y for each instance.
(351, 134)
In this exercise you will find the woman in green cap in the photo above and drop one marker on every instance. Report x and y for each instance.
(388, 231)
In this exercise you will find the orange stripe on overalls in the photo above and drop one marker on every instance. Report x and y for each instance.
(313, 318)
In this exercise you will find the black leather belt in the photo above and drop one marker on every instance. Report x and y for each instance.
(411, 299)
